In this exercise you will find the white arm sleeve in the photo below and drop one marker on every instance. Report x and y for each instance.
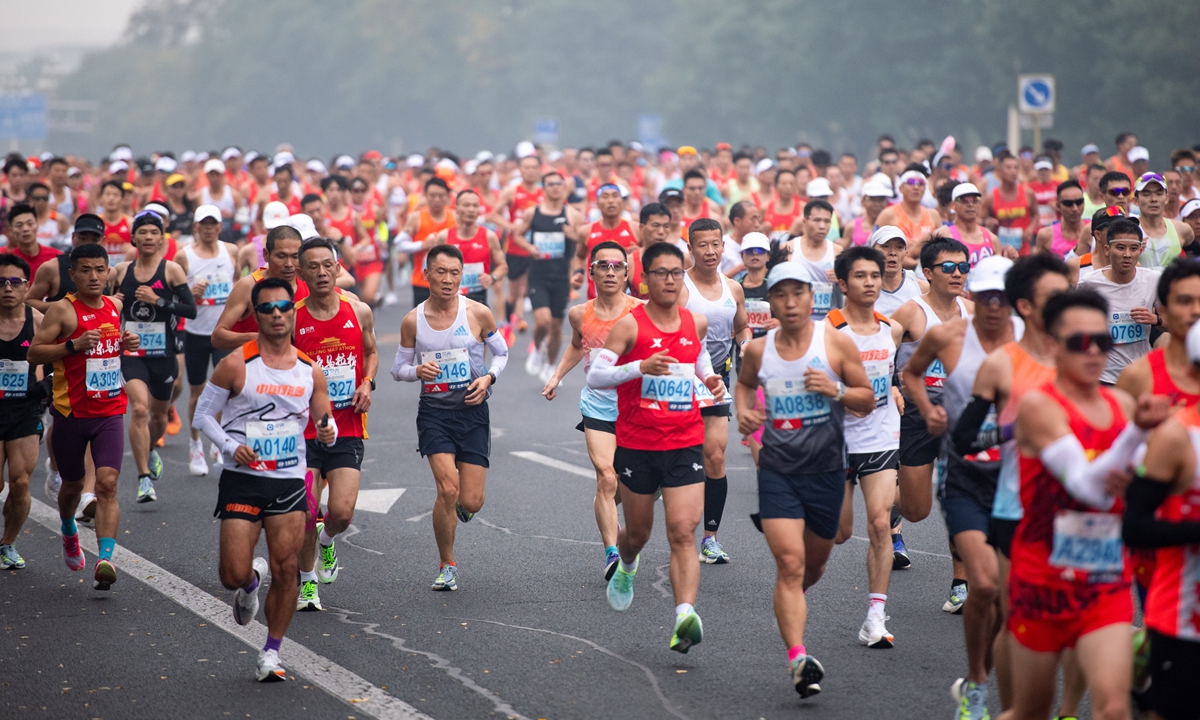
(499, 348)
(704, 366)
(1067, 460)
(605, 373)
(405, 243)
(211, 402)
(403, 369)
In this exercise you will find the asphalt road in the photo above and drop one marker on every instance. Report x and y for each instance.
(528, 634)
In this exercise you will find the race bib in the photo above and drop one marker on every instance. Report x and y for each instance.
(14, 378)
(673, 391)
(551, 244)
(792, 407)
(470, 277)
(822, 299)
(454, 370)
(880, 375)
(1088, 541)
(1010, 236)
(1125, 331)
(216, 292)
(152, 338)
(340, 380)
(275, 441)
(102, 377)
(935, 376)
(704, 396)
(758, 313)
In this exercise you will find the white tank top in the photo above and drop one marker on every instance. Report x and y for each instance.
(225, 203)
(66, 208)
(270, 414)
(720, 314)
(888, 302)
(218, 272)
(459, 354)
(822, 291)
(47, 232)
(1132, 339)
(935, 375)
(880, 430)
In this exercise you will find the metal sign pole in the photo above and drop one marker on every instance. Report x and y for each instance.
(1037, 133)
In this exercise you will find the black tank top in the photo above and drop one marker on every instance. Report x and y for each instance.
(17, 376)
(546, 233)
(65, 283)
(153, 324)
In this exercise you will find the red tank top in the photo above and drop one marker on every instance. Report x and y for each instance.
(622, 235)
(425, 228)
(1173, 604)
(337, 346)
(88, 384)
(477, 257)
(779, 221)
(975, 251)
(1011, 213)
(660, 412)
(344, 224)
(293, 204)
(116, 235)
(1163, 384)
(249, 324)
(1057, 527)
(687, 221)
(522, 200)
(1047, 196)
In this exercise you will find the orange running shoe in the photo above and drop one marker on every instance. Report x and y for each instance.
(174, 424)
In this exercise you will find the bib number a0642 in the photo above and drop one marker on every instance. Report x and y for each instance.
(276, 442)
(1088, 541)
(672, 392)
(454, 370)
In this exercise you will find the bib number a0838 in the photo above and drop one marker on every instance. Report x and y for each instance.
(791, 407)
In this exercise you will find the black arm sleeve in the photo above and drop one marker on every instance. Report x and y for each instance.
(184, 304)
(967, 437)
(1140, 529)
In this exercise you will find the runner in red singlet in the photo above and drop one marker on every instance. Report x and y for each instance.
(1045, 189)
(484, 264)
(23, 239)
(1010, 209)
(782, 212)
(117, 238)
(611, 227)
(654, 226)
(283, 189)
(695, 204)
(507, 215)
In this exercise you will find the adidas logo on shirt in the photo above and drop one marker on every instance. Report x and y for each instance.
(729, 303)
(349, 325)
(460, 331)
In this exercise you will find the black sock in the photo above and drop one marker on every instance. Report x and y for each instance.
(956, 582)
(715, 490)
(508, 311)
(895, 519)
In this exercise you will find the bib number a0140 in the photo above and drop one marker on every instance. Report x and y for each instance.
(102, 377)
(152, 338)
(340, 380)
(1125, 331)
(1088, 541)
(14, 378)
(791, 407)
(822, 299)
(454, 370)
(673, 391)
(276, 442)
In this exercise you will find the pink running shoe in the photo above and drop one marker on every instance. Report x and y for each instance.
(72, 553)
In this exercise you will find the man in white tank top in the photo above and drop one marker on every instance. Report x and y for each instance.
(817, 252)
(721, 300)
(873, 440)
(269, 389)
(897, 285)
(209, 265)
(219, 193)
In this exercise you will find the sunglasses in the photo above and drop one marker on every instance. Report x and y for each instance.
(946, 166)
(1186, 168)
(39, 198)
(755, 251)
(268, 308)
(1071, 203)
(663, 274)
(1083, 342)
(15, 282)
(1118, 191)
(914, 182)
(614, 266)
(990, 298)
(949, 267)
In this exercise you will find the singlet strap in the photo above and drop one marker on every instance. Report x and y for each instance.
(250, 350)
(883, 319)
(838, 318)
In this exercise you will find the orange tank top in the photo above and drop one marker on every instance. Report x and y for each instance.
(426, 228)
(914, 229)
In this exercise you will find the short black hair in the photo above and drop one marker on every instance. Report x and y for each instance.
(817, 204)
(703, 225)
(444, 249)
(20, 209)
(694, 174)
(434, 181)
(315, 243)
(737, 211)
(821, 158)
(1111, 177)
(112, 184)
(1025, 272)
(311, 198)
(1124, 226)
(285, 168)
(269, 283)
(652, 253)
(1058, 305)
(1179, 269)
(938, 245)
(888, 151)
(14, 261)
(945, 192)
(607, 245)
(854, 253)
(280, 232)
(13, 161)
(1067, 185)
(56, 160)
(465, 191)
(783, 171)
(333, 180)
(1123, 136)
(650, 210)
(90, 251)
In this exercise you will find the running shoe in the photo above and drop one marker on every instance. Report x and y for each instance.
(620, 587)
(874, 634)
(308, 601)
(506, 332)
(161, 442)
(534, 362)
(711, 552)
(522, 326)
(1141, 661)
(689, 631)
(547, 373)
(53, 482)
(972, 700)
(217, 457)
(146, 490)
(390, 299)
(174, 424)
(958, 598)
(269, 669)
(10, 559)
(463, 515)
(105, 576)
(156, 465)
(73, 554)
(807, 675)
(245, 604)
(327, 570)
(87, 503)
(197, 465)
(900, 559)
(447, 579)
(610, 565)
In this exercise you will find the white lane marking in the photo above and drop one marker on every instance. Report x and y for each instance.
(326, 674)
(917, 552)
(663, 579)
(556, 464)
(506, 531)
(419, 518)
(351, 532)
(375, 501)
(649, 675)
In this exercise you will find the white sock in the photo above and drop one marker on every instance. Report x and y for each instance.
(197, 443)
(683, 608)
(629, 567)
(310, 576)
(876, 606)
(325, 539)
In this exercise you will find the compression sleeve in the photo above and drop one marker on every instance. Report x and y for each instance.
(183, 304)
(969, 437)
(405, 243)
(704, 366)
(1066, 459)
(403, 368)
(605, 373)
(211, 402)
(499, 348)
(1141, 529)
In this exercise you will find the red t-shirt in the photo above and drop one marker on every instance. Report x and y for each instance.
(35, 262)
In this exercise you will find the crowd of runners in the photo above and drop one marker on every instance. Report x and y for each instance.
(1016, 337)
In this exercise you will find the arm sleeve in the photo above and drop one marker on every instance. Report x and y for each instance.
(499, 348)
(1066, 459)
(968, 436)
(1141, 529)
(403, 368)
(704, 366)
(405, 243)
(184, 303)
(211, 402)
(605, 373)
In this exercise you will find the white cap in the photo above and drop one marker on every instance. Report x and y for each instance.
(448, 164)
(875, 188)
(983, 153)
(283, 158)
(158, 210)
(251, 156)
(790, 270)
(121, 153)
(988, 274)
(165, 165)
(755, 240)
(274, 215)
(964, 188)
(1193, 342)
(230, 152)
(763, 165)
(905, 177)
(316, 166)
(554, 156)
(202, 156)
(470, 166)
(46, 156)
(1147, 178)
(525, 149)
(415, 160)
(1190, 207)
(1043, 164)
(818, 188)
(304, 225)
(1089, 149)
(117, 166)
(188, 156)
(1138, 153)
(484, 156)
(884, 233)
(207, 211)
(73, 171)
(343, 161)
(214, 165)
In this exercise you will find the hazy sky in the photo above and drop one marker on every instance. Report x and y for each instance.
(31, 26)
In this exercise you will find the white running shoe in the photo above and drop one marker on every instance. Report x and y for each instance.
(217, 457)
(390, 299)
(534, 363)
(197, 465)
(874, 634)
(269, 669)
(53, 482)
(547, 373)
(245, 604)
(87, 507)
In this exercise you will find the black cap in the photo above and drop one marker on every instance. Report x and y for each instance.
(1102, 217)
(146, 217)
(88, 222)
(670, 194)
(145, 166)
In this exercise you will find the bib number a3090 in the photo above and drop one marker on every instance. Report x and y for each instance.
(102, 377)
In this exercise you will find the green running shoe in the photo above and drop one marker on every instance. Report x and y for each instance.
(327, 571)
(156, 465)
(711, 551)
(689, 631)
(463, 515)
(620, 587)
(308, 601)
(972, 700)
(146, 490)
(447, 578)
(9, 559)
(105, 575)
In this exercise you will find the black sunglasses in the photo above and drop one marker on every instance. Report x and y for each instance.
(269, 308)
(1071, 203)
(1082, 342)
(1118, 191)
(949, 267)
